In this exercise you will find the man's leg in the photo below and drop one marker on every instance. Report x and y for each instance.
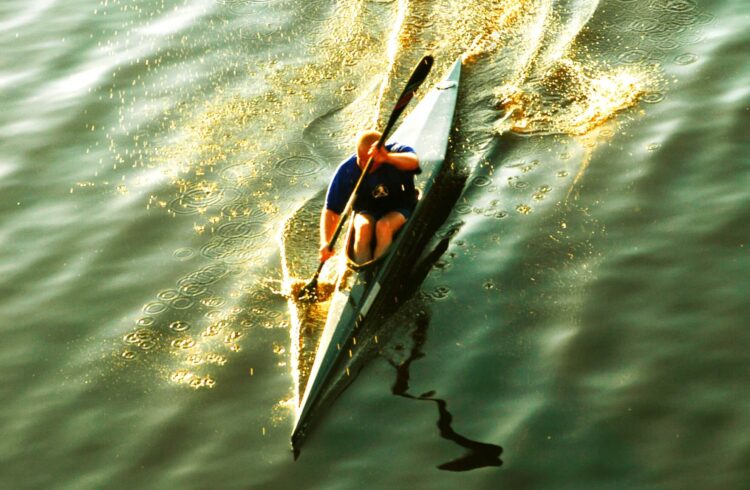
(385, 228)
(363, 228)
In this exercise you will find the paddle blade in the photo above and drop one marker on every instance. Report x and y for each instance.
(418, 76)
(309, 293)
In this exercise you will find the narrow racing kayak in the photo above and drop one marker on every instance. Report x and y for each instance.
(366, 293)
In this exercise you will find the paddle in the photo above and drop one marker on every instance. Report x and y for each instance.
(310, 291)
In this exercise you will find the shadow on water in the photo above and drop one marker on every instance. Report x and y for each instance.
(479, 454)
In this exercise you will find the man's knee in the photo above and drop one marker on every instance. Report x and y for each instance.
(362, 226)
(383, 229)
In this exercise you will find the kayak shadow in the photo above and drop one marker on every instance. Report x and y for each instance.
(478, 454)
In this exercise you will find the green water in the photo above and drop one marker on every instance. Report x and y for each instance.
(589, 316)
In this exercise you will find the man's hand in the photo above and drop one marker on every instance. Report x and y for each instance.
(379, 156)
(407, 162)
(325, 253)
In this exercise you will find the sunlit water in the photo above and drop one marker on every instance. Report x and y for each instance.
(586, 325)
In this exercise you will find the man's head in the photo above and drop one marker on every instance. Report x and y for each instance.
(365, 140)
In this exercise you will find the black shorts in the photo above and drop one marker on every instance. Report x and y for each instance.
(379, 213)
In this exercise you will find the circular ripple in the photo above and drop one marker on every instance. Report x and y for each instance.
(147, 344)
(195, 199)
(183, 343)
(145, 321)
(481, 181)
(661, 34)
(238, 173)
(168, 295)
(241, 7)
(201, 197)
(231, 250)
(441, 292)
(179, 326)
(523, 209)
(657, 5)
(213, 314)
(646, 24)
(145, 339)
(686, 58)
(242, 210)
(182, 303)
(694, 37)
(680, 5)
(298, 166)
(128, 355)
(266, 313)
(463, 208)
(653, 97)
(154, 308)
(194, 359)
(213, 301)
(207, 275)
(261, 296)
(704, 18)
(421, 23)
(683, 19)
(183, 254)
(193, 289)
(633, 56)
(668, 44)
(242, 229)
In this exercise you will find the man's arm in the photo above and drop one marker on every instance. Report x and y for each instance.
(328, 222)
(406, 162)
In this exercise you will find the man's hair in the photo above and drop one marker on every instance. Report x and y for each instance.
(367, 138)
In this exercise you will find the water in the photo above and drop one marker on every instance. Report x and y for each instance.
(588, 316)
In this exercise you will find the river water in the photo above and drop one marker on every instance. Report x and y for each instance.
(584, 329)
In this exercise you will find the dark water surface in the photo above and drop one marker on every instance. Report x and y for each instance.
(586, 325)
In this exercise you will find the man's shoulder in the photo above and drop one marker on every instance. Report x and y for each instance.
(346, 168)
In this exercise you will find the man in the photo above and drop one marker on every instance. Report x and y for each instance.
(385, 199)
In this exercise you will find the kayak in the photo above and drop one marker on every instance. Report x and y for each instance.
(366, 293)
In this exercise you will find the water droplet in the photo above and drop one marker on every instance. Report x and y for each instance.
(183, 343)
(145, 321)
(523, 209)
(481, 181)
(179, 326)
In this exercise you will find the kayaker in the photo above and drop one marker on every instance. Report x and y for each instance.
(385, 201)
